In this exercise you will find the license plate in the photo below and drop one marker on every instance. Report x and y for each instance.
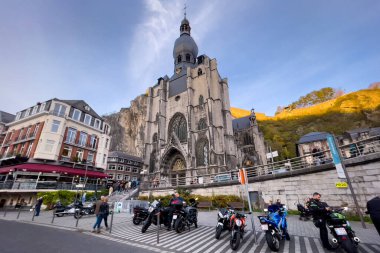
(174, 216)
(264, 227)
(340, 231)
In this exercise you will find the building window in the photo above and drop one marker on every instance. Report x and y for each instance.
(135, 170)
(119, 176)
(107, 140)
(20, 134)
(201, 152)
(28, 132)
(97, 123)
(42, 108)
(29, 149)
(93, 141)
(178, 127)
(134, 178)
(179, 58)
(59, 110)
(49, 145)
(35, 109)
(27, 113)
(90, 157)
(202, 124)
(111, 175)
(120, 168)
(82, 139)
(104, 158)
(18, 115)
(55, 126)
(200, 72)
(79, 155)
(128, 169)
(112, 167)
(126, 177)
(155, 138)
(76, 115)
(22, 148)
(201, 101)
(188, 57)
(66, 151)
(87, 119)
(71, 134)
(36, 130)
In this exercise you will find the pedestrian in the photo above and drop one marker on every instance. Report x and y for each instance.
(373, 209)
(319, 210)
(106, 211)
(38, 206)
(99, 216)
(110, 190)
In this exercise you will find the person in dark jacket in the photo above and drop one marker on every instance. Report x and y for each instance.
(99, 216)
(373, 209)
(319, 211)
(38, 206)
(106, 211)
(175, 202)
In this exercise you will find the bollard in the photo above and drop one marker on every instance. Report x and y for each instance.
(158, 227)
(5, 211)
(52, 220)
(111, 221)
(34, 213)
(19, 211)
(76, 223)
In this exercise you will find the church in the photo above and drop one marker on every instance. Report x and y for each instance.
(189, 129)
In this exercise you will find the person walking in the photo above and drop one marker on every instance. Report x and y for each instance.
(373, 209)
(99, 216)
(38, 206)
(106, 208)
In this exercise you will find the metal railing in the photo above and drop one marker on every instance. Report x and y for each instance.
(310, 161)
(40, 185)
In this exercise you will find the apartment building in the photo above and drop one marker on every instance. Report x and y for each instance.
(57, 131)
(5, 118)
(123, 167)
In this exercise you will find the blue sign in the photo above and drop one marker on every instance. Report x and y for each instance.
(335, 156)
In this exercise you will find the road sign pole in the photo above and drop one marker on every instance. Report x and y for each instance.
(349, 184)
(245, 181)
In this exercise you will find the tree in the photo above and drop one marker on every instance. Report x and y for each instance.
(315, 97)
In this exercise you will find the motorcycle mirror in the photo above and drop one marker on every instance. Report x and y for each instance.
(284, 206)
(265, 210)
(345, 208)
(196, 198)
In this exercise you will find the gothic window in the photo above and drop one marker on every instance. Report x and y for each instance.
(247, 139)
(152, 162)
(200, 72)
(201, 101)
(155, 137)
(188, 57)
(179, 59)
(202, 152)
(178, 127)
(202, 124)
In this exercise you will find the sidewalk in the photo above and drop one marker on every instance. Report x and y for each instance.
(296, 227)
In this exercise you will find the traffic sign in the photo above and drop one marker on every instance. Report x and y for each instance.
(341, 185)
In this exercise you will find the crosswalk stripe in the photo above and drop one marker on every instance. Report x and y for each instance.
(367, 249)
(297, 246)
(171, 243)
(223, 246)
(318, 245)
(307, 245)
(264, 248)
(211, 239)
(286, 247)
(245, 244)
(190, 239)
(206, 245)
(377, 247)
(219, 242)
(251, 243)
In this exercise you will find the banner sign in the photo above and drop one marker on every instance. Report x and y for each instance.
(335, 156)
(341, 185)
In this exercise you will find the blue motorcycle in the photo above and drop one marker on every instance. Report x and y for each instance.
(275, 226)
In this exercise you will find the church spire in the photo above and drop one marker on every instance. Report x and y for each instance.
(185, 25)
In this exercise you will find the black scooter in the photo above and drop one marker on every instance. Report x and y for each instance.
(156, 210)
(186, 217)
(305, 213)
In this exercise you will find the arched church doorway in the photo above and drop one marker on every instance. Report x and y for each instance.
(175, 167)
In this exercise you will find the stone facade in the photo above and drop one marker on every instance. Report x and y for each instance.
(188, 125)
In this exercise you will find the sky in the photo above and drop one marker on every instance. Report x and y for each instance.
(109, 52)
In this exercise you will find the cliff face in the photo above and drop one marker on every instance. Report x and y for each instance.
(127, 127)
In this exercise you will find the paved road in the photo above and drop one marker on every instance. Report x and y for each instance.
(18, 237)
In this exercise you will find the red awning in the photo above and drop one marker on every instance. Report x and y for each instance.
(46, 168)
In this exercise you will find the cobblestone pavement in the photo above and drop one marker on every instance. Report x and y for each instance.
(304, 236)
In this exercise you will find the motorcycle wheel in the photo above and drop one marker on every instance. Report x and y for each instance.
(272, 240)
(179, 226)
(235, 241)
(348, 246)
(196, 224)
(136, 220)
(218, 232)
(145, 227)
(59, 214)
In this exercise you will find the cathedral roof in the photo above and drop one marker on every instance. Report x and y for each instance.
(185, 44)
(241, 123)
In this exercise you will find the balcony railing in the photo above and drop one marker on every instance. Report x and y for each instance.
(34, 185)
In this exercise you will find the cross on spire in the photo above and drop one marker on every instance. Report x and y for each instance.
(185, 10)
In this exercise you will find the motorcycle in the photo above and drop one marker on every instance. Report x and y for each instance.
(305, 213)
(340, 228)
(61, 210)
(156, 210)
(139, 215)
(224, 216)
(237, 225)
(275, 226)
(186, 216)
(81, 210)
